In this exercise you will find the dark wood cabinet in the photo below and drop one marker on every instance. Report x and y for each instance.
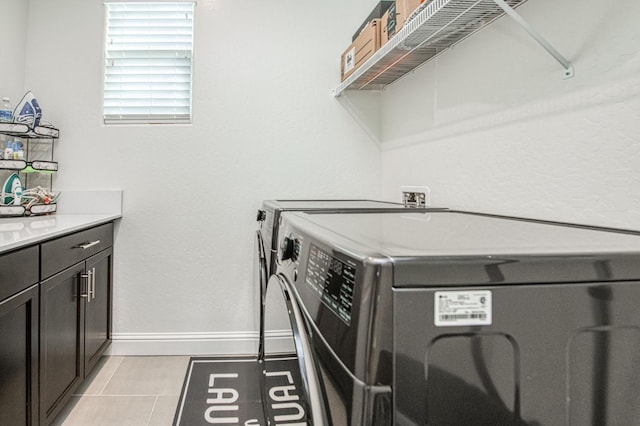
(97, 318)
(19, 337)
(75, 313)
(55, 321)
(61, 309)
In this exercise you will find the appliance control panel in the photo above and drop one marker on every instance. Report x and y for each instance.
(332, 280)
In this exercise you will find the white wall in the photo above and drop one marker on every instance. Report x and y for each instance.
(12, 50)
(491, 126)
(264, 126)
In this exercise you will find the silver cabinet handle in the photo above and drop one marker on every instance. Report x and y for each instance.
(89, 286)
(90, 276)
(92, 284)
(87, 277)
(85, 246)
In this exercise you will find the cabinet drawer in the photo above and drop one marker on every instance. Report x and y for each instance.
(65, 251)
(18, 270)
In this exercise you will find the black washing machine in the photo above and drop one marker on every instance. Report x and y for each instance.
(269, 217)
(287, 332)
(457, 318)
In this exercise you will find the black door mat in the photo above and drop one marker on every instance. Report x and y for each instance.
(241, 391)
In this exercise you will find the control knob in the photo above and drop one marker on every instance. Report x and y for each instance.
(290, 249)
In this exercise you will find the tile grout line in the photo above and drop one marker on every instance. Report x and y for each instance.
(102, 396)
(99, 393)
(155, 404)
(113, 373)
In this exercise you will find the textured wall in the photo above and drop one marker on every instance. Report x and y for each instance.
(265, 126)
(14, 40)
(490, 125)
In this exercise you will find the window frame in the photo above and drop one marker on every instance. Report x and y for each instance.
(153, 114)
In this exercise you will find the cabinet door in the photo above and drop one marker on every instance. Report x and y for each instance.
(61, 331)
(19, 359)
(98, 308)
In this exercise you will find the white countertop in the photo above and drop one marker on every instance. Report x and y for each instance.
(77, 210)
(23, 231)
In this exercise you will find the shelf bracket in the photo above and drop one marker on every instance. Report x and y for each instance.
(568, 66)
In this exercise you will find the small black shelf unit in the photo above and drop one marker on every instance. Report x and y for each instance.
(35, 169)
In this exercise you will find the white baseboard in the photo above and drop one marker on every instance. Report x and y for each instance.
(219, 343)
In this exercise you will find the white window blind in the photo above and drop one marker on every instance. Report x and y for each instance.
(148, 62)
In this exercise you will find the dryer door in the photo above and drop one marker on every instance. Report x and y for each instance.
(260, 283)
(287, 339)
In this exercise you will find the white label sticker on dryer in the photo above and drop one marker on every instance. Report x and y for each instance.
(455, 308)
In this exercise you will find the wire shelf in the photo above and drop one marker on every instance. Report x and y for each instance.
(24, 131)
(34, 170)
(432, 28)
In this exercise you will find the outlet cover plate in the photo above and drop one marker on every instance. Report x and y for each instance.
(416, 196)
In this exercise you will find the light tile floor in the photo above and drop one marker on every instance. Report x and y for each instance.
(128, 391)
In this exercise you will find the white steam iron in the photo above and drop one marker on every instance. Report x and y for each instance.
(12, 190)
(28, 111)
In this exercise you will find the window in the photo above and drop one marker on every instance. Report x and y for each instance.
(148, 62)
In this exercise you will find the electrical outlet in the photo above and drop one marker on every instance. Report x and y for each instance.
(416, 196)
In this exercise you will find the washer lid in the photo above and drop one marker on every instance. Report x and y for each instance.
(460, 248)
(335, 205)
